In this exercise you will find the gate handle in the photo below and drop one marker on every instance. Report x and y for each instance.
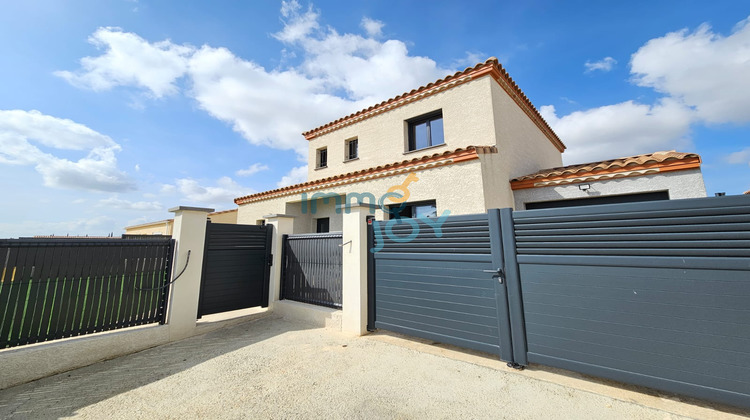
(498, 272)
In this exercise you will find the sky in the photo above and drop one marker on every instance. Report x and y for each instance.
(113, 111)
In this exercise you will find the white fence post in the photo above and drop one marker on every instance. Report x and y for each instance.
(283, 224)
(354, 269)
(190, 234)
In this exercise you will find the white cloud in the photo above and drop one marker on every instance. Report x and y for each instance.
(740, 157)
(704, 77)
(252, 169)
(703, 69)
(471, 59)
(220, 195)
(298, 25)
(295, 176)
(373, 28)
(619, 130)
(130, 60)
(605, 64)
(337, 74)
(267, 108)
(120, 204)
(20, 131)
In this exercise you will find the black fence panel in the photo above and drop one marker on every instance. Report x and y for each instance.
(236, 267)
(311, 270)
(656, 294)
(56, 288)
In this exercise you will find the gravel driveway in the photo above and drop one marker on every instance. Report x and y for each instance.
(276, 368)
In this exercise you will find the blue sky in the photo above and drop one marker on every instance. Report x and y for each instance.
(113, 111)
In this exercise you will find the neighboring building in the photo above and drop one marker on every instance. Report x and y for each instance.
(655, 176)
(160, 227)
(164, 227)
(464, 138)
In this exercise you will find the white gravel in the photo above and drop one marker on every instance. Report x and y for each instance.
(275, 368)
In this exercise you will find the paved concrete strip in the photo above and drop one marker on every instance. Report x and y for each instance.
(274, 368)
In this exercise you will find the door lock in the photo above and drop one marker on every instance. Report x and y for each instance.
(497, 273)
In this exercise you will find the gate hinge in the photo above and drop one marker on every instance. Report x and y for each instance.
(270, 260)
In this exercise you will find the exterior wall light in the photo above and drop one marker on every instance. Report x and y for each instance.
(584, 187)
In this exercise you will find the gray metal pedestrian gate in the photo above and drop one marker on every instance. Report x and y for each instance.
(236, 268)
(442, 285)
(655, 294)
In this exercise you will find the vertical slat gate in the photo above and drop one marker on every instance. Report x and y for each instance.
(311, 270)
(235, 268)
(56, 288)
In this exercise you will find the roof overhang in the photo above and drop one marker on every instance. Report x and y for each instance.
(393, 169)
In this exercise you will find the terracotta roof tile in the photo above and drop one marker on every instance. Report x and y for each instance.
(491, 66)
(656, 159)
(460, 154)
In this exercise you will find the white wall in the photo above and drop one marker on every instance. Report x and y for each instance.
(456, 187)
(467, 119)
(679, 184)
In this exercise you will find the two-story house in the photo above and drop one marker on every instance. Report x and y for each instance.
(462, 138)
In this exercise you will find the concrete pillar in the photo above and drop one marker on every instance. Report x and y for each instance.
(354, 270)
(283, 224)
(190, 234)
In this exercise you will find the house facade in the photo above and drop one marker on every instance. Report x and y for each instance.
(462, 139)
(461, 145)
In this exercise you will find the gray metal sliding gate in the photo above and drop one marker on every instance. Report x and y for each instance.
(654, 294)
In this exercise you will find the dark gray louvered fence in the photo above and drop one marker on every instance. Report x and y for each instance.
(311, 270)
(654, 294)
(56, 288)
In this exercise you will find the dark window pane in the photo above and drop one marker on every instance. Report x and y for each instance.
(323, 225)
(322, 158)
(352, 152)
(436, 132)
(421, 139)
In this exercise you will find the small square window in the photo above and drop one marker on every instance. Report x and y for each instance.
(323, 225)
(426, 131)
(351, 151)
(322, 159)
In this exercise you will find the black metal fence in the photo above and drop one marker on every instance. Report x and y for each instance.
(56, 288)
(311, 270)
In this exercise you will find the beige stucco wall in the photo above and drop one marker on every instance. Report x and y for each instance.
(163, 227)
(224, 217)
(456, 188)
(523, 149)
(679, 184)
(467, 120)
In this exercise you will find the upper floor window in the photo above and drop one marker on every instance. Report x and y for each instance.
(322, 158)
(426, 131)
(351, 149)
